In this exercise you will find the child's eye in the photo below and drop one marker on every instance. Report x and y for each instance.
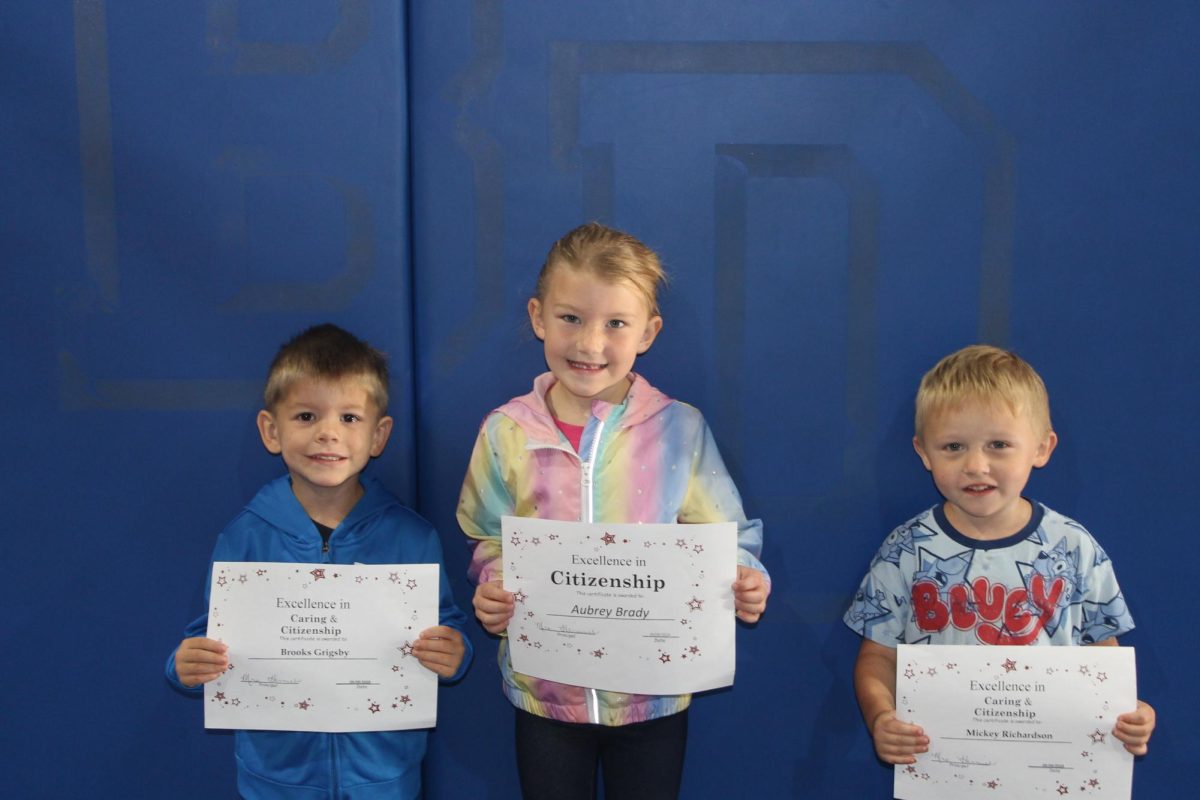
(306, 416)
(999, 445)
(617, 323)
(350, 418)
(954, 447)
(570, 319)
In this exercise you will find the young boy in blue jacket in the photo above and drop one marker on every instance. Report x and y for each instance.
(326, 403)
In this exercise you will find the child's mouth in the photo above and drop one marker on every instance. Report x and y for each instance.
(579, 365)
(978, 489)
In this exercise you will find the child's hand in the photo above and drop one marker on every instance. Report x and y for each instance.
(199, 660)
(440, 649)
(1135, 727)
(493, 606)
(897, 742)
(750, 592)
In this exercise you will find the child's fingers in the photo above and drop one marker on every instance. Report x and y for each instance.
(201, 644)
(193, 681)
(494, 621)
(749, 600)
(488, 608)
(900, 748)
(441, 655)
(907, 741)
(493, 606)
(494, 591)
(895, 757)
(440, 651)
(496, 624)
(750, 592)
(1134, 724)
(195, 665)
(749, 613)
(439, 664)
(1144, 715)
(895, 730)
(438, 632)
(749, 605)
(202, 664)
(898, 742)
(1135, 737)
(201, 651)
(446, 640)
(1138, 749)
(491, 598)
(748, 578)
(192, 673)
(1134, 728)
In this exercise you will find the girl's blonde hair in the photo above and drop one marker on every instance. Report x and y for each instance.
(983, 372)
(611, 255)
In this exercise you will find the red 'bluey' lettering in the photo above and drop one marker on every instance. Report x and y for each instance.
(998, 615)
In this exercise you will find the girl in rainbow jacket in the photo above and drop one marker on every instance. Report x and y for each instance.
(595, 442)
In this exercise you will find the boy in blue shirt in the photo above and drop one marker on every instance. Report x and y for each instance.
(325, 414)
(987, 566)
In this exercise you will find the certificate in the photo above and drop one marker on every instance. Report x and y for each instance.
(645, 609)
(321, 647)
(1016, 722)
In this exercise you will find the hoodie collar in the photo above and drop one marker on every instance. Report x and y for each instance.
(532, 413)
(277, 504)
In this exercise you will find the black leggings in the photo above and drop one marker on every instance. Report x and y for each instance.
(643, 761)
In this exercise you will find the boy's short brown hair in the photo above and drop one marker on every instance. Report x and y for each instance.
(983, 372)
(327, 352)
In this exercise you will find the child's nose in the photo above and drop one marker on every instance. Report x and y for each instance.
(591, 339)
(976, 462)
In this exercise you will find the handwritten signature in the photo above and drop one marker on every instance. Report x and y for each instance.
(961, 761)
(270, 681)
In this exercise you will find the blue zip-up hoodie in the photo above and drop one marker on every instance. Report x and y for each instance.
(347, 766)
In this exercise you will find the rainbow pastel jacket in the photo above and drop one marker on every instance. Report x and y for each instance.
(648, 459)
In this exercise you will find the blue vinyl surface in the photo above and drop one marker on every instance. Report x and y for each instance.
(842, 192)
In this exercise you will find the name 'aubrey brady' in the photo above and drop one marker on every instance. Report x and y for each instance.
(610, 613)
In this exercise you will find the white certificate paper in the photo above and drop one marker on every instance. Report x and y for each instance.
(1016, 722)
(322, 647)
(645, 609)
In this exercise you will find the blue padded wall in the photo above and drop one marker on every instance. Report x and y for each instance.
(188, 185)
(842, 190)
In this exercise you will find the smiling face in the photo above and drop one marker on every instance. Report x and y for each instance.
(593, 331)
(326, 431)
(980, 455)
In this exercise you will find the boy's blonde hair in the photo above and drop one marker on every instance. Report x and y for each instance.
(983, 372)
(327, 353)
(611, 255)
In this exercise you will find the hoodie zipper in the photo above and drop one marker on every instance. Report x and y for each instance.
(335, 777)
(587, 512)
(587, 468)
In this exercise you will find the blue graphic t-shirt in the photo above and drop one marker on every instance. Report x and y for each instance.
(1050, 583)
